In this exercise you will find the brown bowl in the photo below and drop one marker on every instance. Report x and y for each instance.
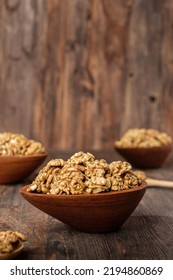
(145, 157)
(103, 212)
(14, 169)
(13, 254)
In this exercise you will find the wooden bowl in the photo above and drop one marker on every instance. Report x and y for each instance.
(103, 212)
(13, 254)
(145, 157)
(14, 169)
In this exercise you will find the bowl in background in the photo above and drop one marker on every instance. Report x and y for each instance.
(14, 169)
(152, 157)
(97, 213)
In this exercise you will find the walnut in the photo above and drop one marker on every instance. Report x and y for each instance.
(97, 184)
(119, 167)
(82, 158)
(96, 168)
(17, 144)
(56, 163)
(140, 174)
(144, 138)
(10, 241)
(81, 174)
(117, 183)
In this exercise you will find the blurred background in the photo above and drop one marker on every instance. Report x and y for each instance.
(76, 74)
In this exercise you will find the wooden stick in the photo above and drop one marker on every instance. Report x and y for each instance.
(159, 183)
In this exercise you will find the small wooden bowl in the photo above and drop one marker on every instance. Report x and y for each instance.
(103, 212)
(13, 254)
(145, 157)
(14, 169)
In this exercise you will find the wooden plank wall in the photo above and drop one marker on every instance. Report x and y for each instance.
(78, 73)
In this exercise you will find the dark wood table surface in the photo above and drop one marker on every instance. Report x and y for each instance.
(147, 234)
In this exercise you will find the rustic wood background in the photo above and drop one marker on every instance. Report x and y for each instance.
(78, 73)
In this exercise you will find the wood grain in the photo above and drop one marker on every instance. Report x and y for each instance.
(147, 234)
(77, 74)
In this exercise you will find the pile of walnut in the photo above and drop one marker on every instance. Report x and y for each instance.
(17, 144)
(144, 138)
(81, 174)
(10, 241)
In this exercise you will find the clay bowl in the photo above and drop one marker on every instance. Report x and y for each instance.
(145, 157)
(14, 169)
(97, 213)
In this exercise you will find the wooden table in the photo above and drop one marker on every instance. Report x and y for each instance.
(147, 234)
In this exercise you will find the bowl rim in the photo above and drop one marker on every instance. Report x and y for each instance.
(23, 156)
(23, 190)
(144, 148)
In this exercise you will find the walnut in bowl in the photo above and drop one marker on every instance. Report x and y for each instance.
(88, 194)
(19, 157)
(11, 244)
(145, 148)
